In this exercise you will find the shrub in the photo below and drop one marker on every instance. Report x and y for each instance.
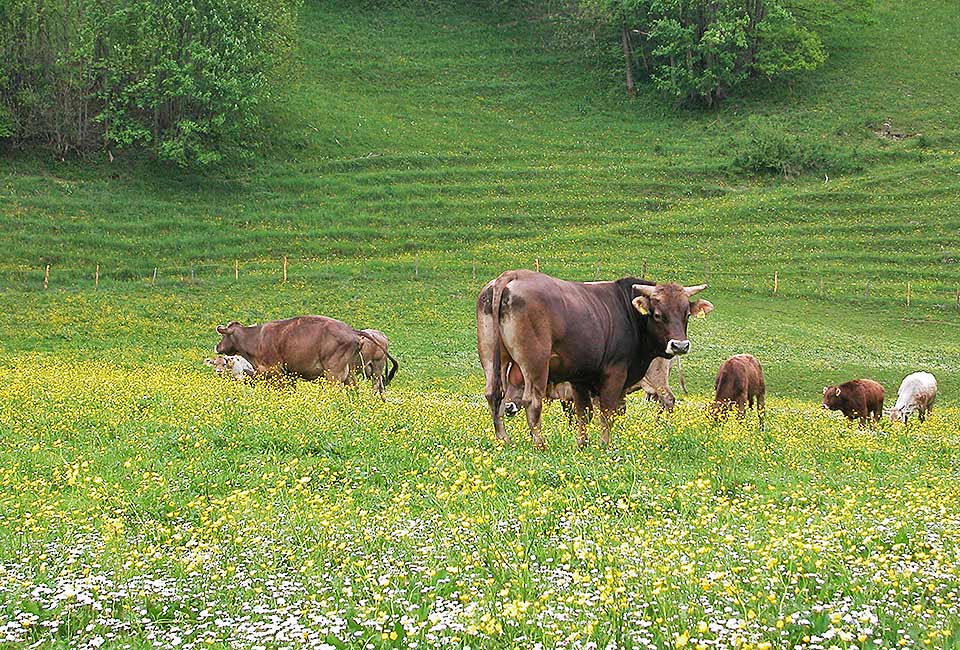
(181, 78)
(699, 49)
(772, 150)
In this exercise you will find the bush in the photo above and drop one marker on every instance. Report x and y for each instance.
(771, 150)
(699, 49)
(181, 78)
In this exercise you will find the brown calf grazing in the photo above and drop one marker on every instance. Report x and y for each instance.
(307, 347)
(856, 399)
(372, 359)
(598, 336)
(739, 381)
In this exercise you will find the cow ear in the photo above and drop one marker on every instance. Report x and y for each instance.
(642, 305)
(700, 308)
(838, 391)
(221, 329)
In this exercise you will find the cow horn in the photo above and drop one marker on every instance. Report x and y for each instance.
(693, 290)
(838, 391)
(221, 329)
(645, 289)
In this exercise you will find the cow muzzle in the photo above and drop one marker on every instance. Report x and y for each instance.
(675, 347)
(510, 409)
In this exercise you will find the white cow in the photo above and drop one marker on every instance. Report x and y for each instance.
(234, 364)
(917, 393)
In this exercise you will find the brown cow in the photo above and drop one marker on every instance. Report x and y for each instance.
(739, 381)
(308, 347)
(372, 359)
(599, 336)
(858, 398)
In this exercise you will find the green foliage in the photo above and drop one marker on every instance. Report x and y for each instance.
(771, 149)
(183, 79)
(700, 49)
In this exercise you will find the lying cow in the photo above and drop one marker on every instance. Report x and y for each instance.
(655, 384)
(739, 382)
(917, 393)
(372, 359)
(307, 347)
(233, 364)
(856, 399)
(599, 336)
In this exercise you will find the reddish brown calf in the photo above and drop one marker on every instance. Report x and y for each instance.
(856, 399)
(739, 381)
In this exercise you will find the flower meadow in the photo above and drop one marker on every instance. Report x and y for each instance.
(167, 508)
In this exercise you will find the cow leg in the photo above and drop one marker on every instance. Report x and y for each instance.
(495, 403)
(581, 407)
(922, 414)
(610, 392)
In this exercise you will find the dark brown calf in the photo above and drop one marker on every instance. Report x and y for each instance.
(740, 382)
(856, 399)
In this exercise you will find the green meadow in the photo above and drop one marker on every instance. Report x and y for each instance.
(423, 149)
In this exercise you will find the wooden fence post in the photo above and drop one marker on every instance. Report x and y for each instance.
(46, 276)
(96, 278)
(236, 269)
(908, 294)
(776, 281)
(416, 267)
(596, 274)
(154, 275)
(284, 268)
(536, 264)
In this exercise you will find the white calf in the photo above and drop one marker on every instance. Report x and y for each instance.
(236, 365)
(917, 393)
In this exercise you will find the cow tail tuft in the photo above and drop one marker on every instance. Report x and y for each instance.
(392, 371)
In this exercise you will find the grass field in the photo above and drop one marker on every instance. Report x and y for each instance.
(425, 149)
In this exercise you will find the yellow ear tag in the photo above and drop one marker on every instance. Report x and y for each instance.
(638, 303)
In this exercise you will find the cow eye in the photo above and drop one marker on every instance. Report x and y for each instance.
(658, 315)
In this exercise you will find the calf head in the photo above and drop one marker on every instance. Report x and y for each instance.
(219, 363)
(228, 342)
(833, 398)
(667, 308)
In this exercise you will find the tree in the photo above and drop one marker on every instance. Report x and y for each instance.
(699, 49)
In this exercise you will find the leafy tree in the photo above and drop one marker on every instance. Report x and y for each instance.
(182, 78)
(699, 49)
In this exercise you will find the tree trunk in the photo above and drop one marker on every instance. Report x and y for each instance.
(628, 59)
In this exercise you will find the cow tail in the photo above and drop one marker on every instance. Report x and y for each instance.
(498, 287)
(392, 371)
(683, 383)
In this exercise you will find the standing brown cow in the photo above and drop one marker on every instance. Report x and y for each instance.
(739, 381)
(308, 347)
(598, 336)
(858, 398)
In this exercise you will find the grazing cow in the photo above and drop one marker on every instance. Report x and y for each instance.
(917, 394)
(308, 347)
(234, 364)
(739, 381)
(599, 336)
(856, 399)
(372, 357)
